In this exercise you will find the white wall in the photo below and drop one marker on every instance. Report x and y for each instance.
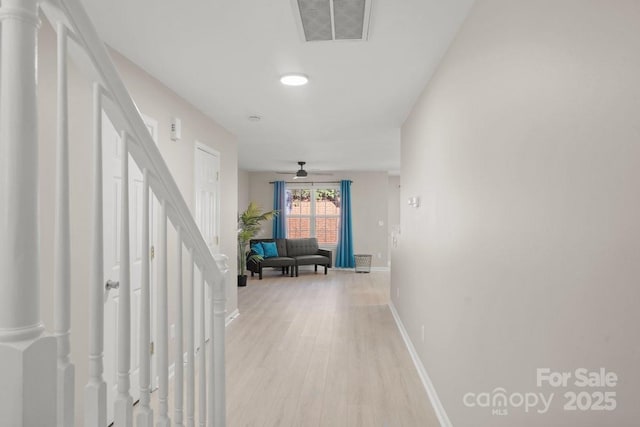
(525, 253)
(393, 210)
(158, 102)
(369, 207)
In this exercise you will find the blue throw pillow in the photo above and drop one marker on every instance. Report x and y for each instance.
(270, 249)
(256, 248)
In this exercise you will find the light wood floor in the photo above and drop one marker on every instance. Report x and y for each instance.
(321, 350)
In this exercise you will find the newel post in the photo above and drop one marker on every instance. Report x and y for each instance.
(217, 402)
(27, 355)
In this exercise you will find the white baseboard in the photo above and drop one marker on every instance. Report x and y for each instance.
(422, 372)
(371, 269)
(230, 318)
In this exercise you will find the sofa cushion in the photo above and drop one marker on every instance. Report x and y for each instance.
(281, 244)
(312, 259)
(278, 261)
(257, 249)
(297, 247)
(270, 249)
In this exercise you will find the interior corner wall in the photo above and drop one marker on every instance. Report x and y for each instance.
(525, 251)
(158, 102)
(393, 205)
(368, 205)
(243, 190)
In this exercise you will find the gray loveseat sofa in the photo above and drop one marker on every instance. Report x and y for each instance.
(292, 253)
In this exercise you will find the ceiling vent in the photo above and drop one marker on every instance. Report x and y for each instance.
(324, 20)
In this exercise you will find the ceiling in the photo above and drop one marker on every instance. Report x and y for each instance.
(226, 57)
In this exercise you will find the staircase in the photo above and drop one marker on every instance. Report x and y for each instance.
(37, 373)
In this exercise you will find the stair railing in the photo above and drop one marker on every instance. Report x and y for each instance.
(39, 365)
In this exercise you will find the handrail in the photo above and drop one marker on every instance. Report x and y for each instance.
(125, 115)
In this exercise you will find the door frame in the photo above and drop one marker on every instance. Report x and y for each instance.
(154, 209)
(199, 146)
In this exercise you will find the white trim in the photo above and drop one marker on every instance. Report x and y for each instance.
(353, 269)
(422, 372)
(306, 185)
(232, 317)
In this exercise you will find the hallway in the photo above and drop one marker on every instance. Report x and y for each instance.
(321, 351)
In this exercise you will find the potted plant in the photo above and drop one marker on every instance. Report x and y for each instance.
(249, 224)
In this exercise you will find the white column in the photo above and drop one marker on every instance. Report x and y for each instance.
(202, 356)
(219, 303)
(162, 323)
(179, 364)
(62, 263)
(145, 414)
(190, 345)
(95, 398)
(123, 405)
(28, 357)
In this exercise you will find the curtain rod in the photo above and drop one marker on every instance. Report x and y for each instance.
(310, 182)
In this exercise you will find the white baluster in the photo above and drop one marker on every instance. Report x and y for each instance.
(162, 323)
(95, 413)
(62, 263)
(190, 345)
(202, 366)
(211, 368)
(218, 316)
(28, 402)
(145, 414)
(179, 365)
(124, 401)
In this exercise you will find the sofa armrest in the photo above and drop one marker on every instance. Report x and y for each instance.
(252, 263)
(328, 254)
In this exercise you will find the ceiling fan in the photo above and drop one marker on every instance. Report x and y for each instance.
(302, 173)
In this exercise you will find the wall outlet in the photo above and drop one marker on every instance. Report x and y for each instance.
(422, 333)
(172, 330)
(398, 292)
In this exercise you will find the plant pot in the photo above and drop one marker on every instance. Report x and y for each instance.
(242, 280)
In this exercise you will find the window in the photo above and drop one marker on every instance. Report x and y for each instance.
(313, 212)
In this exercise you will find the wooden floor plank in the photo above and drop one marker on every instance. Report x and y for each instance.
(336, 356)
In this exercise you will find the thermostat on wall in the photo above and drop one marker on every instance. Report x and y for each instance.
(176, 129)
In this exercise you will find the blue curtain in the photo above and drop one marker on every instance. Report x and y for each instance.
(344, 254)
(279, 204)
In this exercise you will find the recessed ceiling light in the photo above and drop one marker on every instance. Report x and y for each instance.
(254, 118)
(294, 80)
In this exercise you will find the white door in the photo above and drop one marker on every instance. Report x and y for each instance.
(207, 212)
(112, 187)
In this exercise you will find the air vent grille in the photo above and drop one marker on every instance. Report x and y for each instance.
(324, 20)
(316, 19)
(348, 19)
